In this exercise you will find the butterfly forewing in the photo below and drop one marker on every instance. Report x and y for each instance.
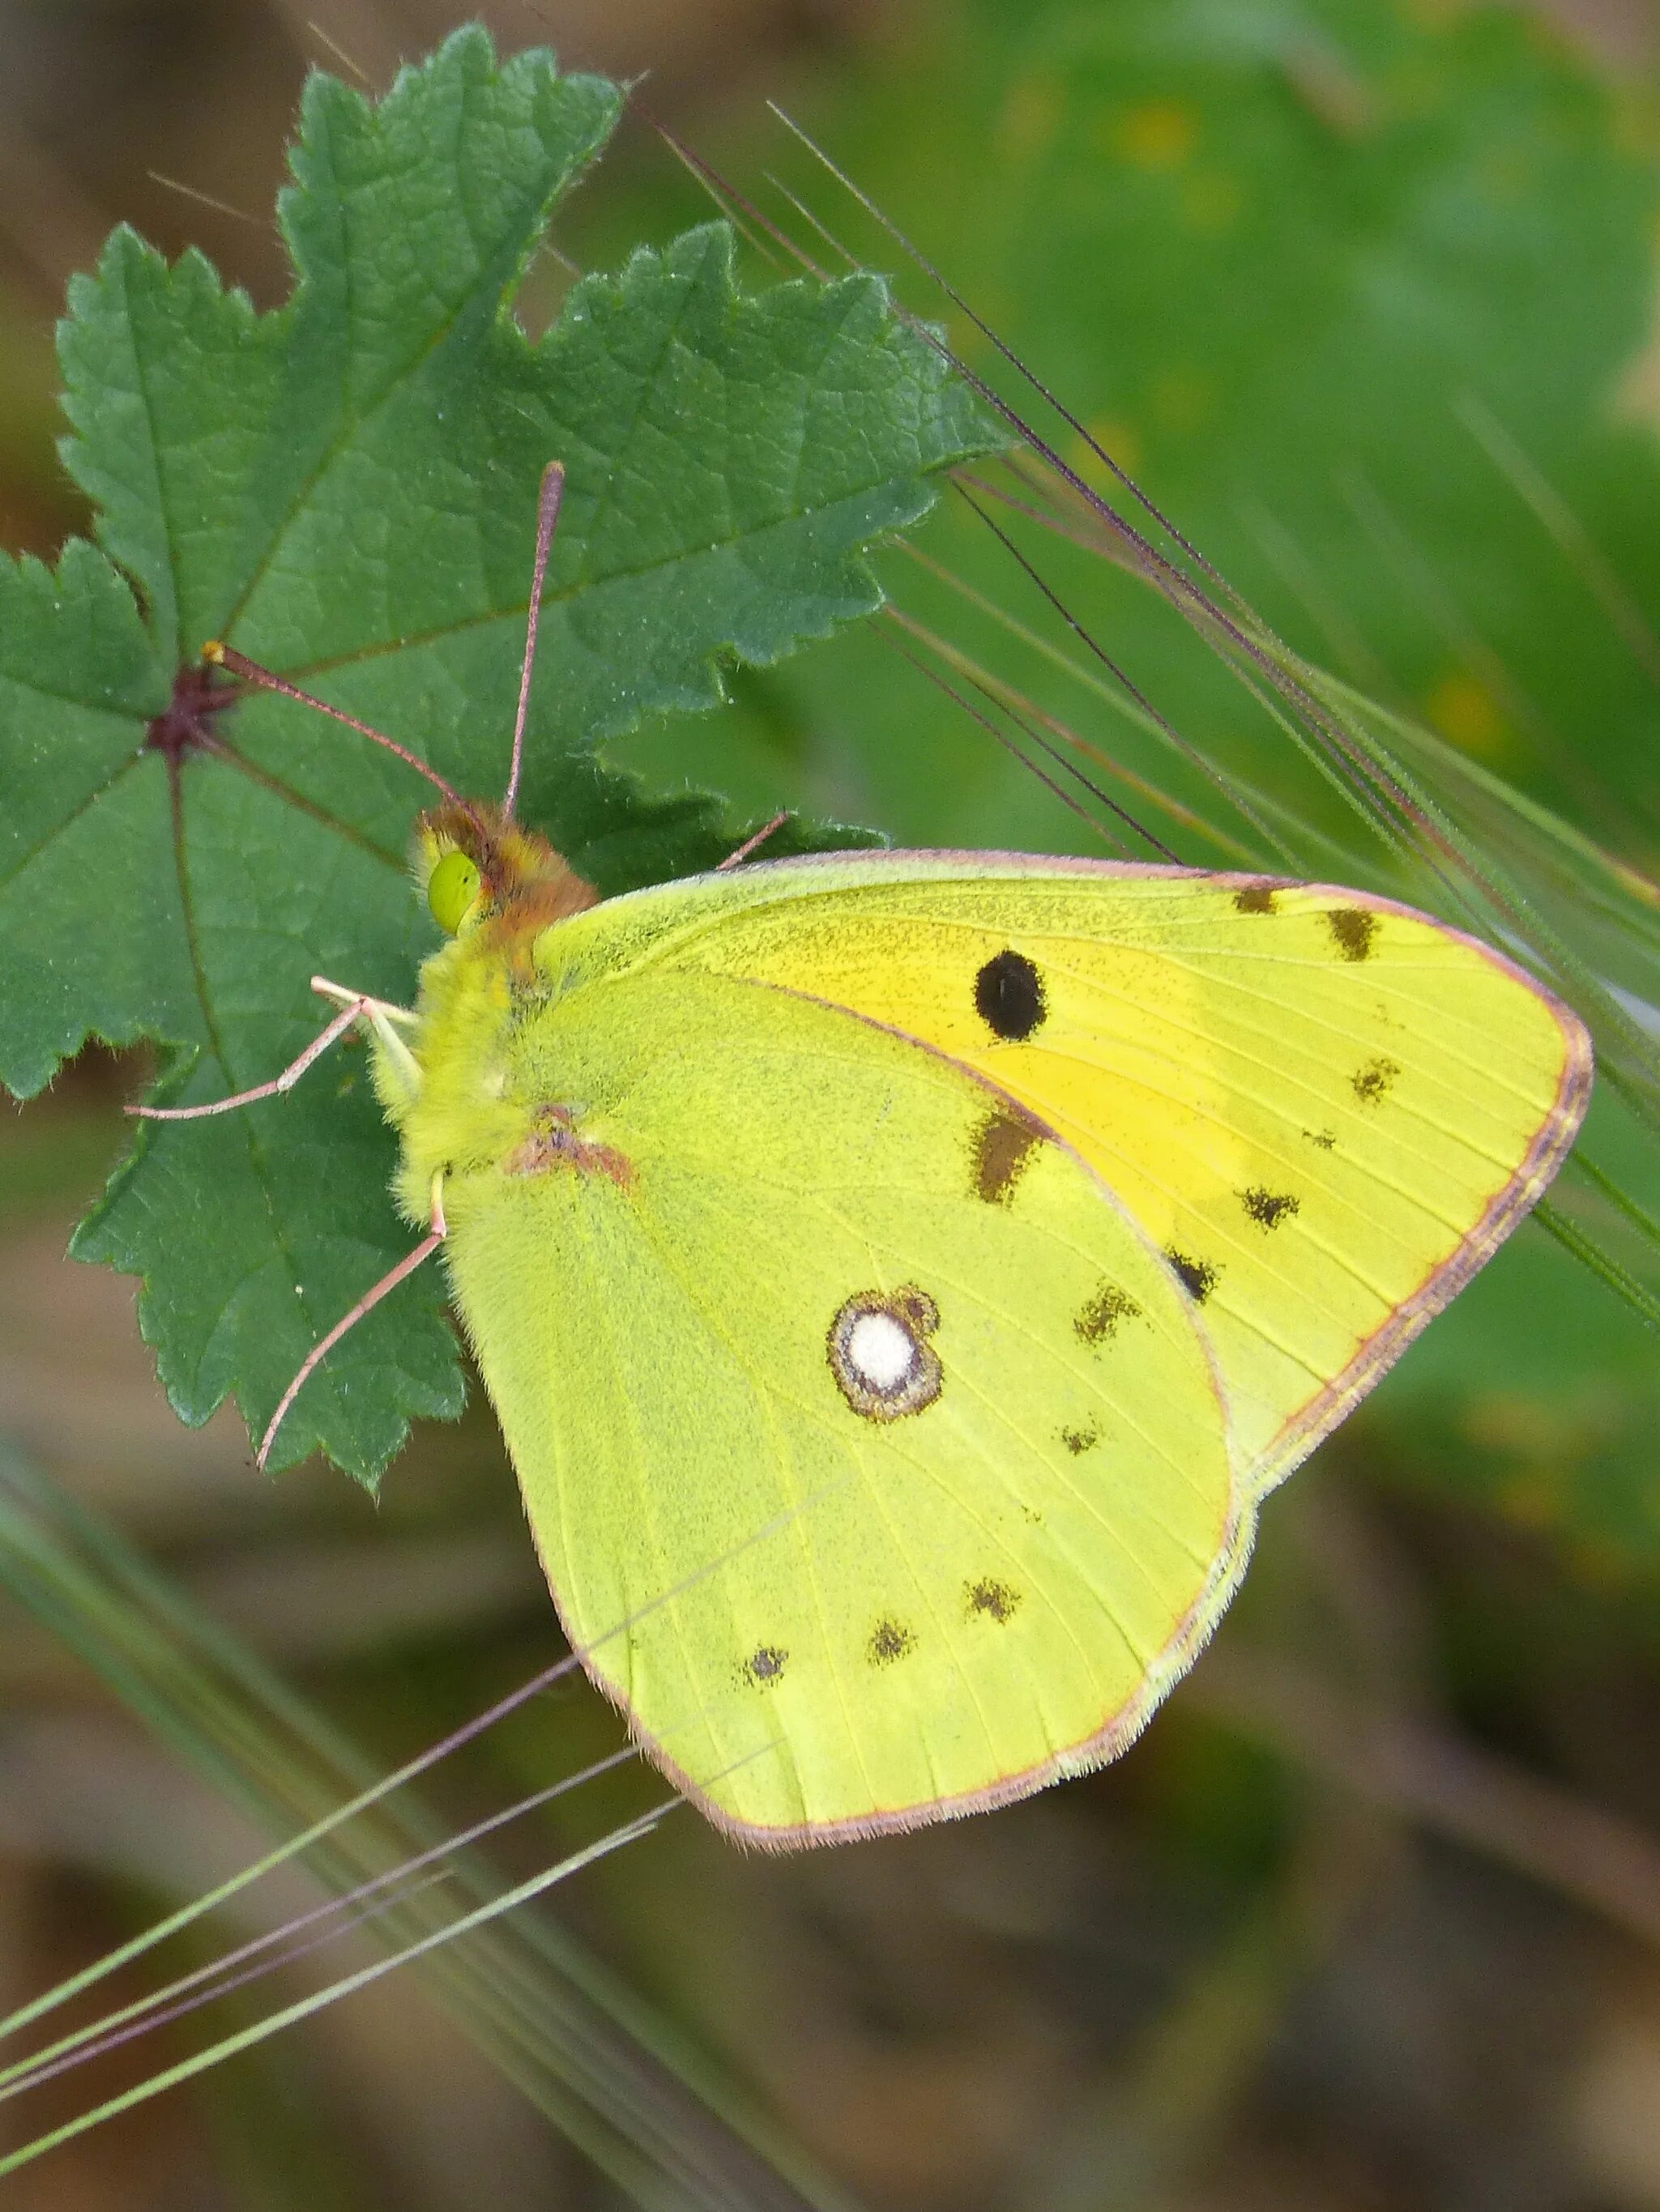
(876, 1459)
(1325, 1109)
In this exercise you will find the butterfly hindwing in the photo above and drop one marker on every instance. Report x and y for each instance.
(877, 1460)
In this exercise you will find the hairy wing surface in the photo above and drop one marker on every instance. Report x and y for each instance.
(876, 1460)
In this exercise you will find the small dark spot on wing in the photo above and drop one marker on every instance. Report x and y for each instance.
(1102, 1315)
(1198, 1276)
(1323, 1138)
(888, 1641)
(765, 1664)
(992, 1600)
(1003, 1143)
(1008, 995)
(1352, 929)
(1257, 898)
(1268, 1207)
(1374, 1081)
(917, 1308)
(1079, 1441)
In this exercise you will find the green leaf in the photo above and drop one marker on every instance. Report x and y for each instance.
(1305, 265)
(345, 489)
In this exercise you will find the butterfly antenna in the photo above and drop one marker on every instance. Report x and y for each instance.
(219, 655)
(547, 515)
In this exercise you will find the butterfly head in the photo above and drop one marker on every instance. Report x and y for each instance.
(475, 866)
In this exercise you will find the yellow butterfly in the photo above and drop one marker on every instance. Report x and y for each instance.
(900, 1276)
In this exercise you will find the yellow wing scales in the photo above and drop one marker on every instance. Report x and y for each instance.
(899, 1276)
(826, 1615)
(1326, 1110)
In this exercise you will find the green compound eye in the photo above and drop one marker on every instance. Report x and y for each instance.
(453, 891)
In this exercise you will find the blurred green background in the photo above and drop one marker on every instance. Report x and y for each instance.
(1370, 1920)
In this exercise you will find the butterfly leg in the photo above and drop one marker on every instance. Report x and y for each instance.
(437, 1231)
(734, 860)
(382, 1017)
(355, 1006)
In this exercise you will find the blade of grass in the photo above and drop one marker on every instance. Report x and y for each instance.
(303, 2008)
(587, 2051)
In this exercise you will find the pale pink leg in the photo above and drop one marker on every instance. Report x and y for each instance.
(733, 859)
(383, 1018)
(370, 1299)
(286, 1081)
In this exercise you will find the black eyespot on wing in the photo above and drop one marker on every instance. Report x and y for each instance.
(1268, 1208)
(1008, 996)
(1323, 1138)
(1198, 1276)
(1079, 1441)
(1374, 1082)
(888, 1641)
(1003, 1145)
(1352, 929)
(990, 1599)
(1257, 898)
(764, 1664)
(1102, 1315)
